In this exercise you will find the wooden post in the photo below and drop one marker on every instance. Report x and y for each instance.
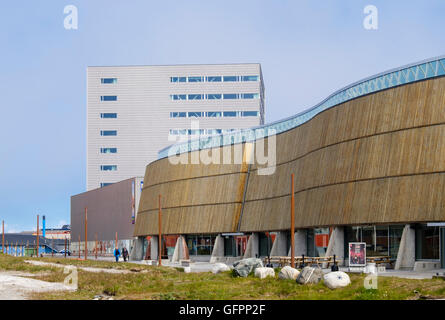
(65, 246)
(95, 250)
(292, 224)
(116, 241)
(86, 235)
(37, 236)
(79, 245)
(3, 236)
(160, 234)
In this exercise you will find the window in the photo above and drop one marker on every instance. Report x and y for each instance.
(108, 80)
(195, 79)
(214, 79)
(195, 131)
(108, 150)
(108, 132)
(178, 79)
(230, 113)
(108, 98)
(178, 97)
(178, 114)
(230, 78)
(108, 168)
(108, 115)
(195, 96)
(250, 78)
(195, 114)
(214, 131)
(214, 96)
(213, 114)
(249, 113)
(104, 184)
(250, 96)
(231, 96)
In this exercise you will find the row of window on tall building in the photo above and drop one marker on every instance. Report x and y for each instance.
(214, 96)
(214, 114)
(214, 79)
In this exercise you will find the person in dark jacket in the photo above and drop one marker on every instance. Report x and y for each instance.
(117, 253)
(125, 253)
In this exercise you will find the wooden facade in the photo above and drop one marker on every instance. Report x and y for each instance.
(377, 159)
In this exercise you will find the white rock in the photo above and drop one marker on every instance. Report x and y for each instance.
(187, 269)
(220, 267)
(288, 273)
(264, 272)
(310, 275)
(337, 279)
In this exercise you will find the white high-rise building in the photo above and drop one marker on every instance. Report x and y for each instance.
(132, 111)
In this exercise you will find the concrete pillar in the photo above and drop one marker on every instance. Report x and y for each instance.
(279, 246)
(406, 257)
(137, 253)
(252, 248)
(154, 248)
(181, 250)
(300, 237)
(337, 245)
(218, 249)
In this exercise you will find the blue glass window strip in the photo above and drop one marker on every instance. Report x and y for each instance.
(390, 79)
(108, 98)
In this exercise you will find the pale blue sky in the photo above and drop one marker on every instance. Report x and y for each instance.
(307, 50)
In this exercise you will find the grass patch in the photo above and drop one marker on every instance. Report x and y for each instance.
(166, 283)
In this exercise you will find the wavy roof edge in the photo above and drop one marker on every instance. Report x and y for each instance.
(203, 143)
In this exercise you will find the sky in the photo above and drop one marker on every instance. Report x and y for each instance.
(307, 50)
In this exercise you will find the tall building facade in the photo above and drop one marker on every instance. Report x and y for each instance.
(135, 111)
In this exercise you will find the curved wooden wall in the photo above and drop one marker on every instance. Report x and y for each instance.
(377, 159)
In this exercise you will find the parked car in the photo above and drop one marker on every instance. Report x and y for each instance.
(63, 252)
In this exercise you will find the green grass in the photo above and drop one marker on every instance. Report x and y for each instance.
(165, 283)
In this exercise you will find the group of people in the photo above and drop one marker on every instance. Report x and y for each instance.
(117, 254)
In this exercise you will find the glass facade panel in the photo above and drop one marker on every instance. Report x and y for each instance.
(108, 133)
(195, 96)
(178, 79)
(108, 80)
(178, 114)
(230, 78)
(108, 168)
(427, 242)
(104, 184)
(214, 96)
(178, 97)
(108, 115)
(108, 98)
(195, 79)
(250, 96)
(250, 78)
(230, 96)
(200, 244)
(214, 114)
(230, 113)
(195, 114)
(214, 79)
(108, 150)
(249, 113)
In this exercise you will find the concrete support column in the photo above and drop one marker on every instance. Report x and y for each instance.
(137, 253)
(300, 237)
(406, 257)
(181, 250)
(337, 245)
(252, 248)
(218, 249)
(279, 246)
(154, 248)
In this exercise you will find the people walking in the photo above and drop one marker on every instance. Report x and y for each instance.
(117, 253)
(125, 253)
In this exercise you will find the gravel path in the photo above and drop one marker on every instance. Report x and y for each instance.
(14, 287)
(88, 269)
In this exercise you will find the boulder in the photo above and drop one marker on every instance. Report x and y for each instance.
(264, 272)
(337, 279)
(310, 275)
(243, 267)
(288, 273)
(220, 267)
